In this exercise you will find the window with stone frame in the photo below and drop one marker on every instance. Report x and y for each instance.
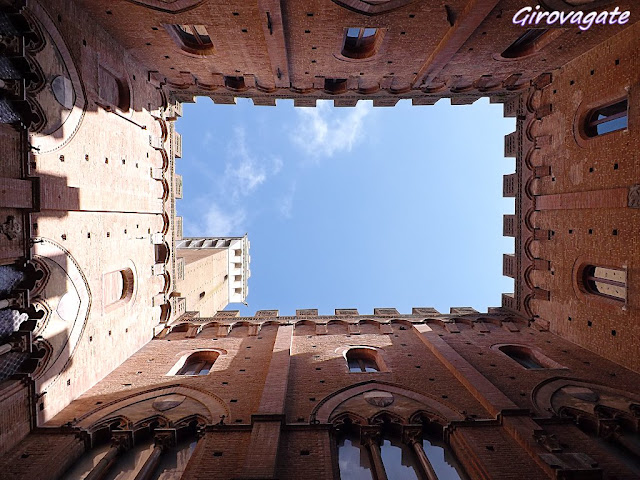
(606, 119)
(198, 363)
(363, 360)
(605, 282)
(191, 38)
(360, 42)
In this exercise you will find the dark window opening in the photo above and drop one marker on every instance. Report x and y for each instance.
(335, 85)
(236, 84)
(521, 355)
(360, 42)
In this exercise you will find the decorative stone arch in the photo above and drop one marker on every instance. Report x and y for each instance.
(543, 401)
(426, 416)
(146, 423)
(45, 141)
(211, 402)
(337, 326)
(387, 416)
(349, 417)
(58, 258)
(322, 412)
(403, 324)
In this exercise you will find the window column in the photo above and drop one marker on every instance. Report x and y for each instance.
(121, 441)
(370, 437)
(412, 436)
(163, 439)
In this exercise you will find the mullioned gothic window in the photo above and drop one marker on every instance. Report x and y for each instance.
(415, 457)
(607, 119)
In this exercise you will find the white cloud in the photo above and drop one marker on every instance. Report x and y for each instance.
(277, 165)
(325, 131)
(244, 177)
(222, 223)
(286, 202)
(243, 173)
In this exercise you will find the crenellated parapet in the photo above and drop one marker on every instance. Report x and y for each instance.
(382, 319)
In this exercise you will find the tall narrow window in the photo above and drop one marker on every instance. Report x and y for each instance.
(353, 459)
(398, 460)
(606, 282)
(360, 42)
(528, 43)
(442, 459)
(191, 38)
(198, 363)
(362, 360)
(607, 119)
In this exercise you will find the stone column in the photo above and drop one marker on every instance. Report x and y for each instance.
(163, 439)
(412, 436)
(121, 441)
(370, 437)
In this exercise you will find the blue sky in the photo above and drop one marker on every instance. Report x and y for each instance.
(353, 207)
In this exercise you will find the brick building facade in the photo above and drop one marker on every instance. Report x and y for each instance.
(103, 366)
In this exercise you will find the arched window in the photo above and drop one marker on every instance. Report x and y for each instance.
(198, 363)
(528, 43)
(527, 357)
(118, 287)
(360, 42)
(363, 360)
(191, 38)
(607, 119)
(606, 282)
(522, 355)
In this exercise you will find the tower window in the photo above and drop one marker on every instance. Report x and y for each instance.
(360, 42)
(607, 119)
(198, 363)
(362, 360)
(528, 43)
(606, 282)
(191, 38)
